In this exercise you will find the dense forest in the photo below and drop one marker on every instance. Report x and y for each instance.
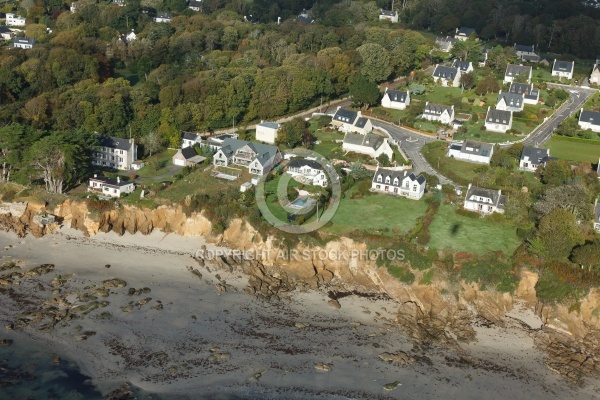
(213, 69)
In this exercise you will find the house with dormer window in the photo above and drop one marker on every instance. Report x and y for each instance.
(446, 76)
(508, 101)
(532, 158)
(438, 112)
(399, 182)
(526, 53)
(395, 99)
(498, 120)
(522, 73)
(109, 187)
(351, 121)
(385, 15)
(445, 44)
(307, 170)
(463, 66)
(464, 33)
(589, 120)
(484, 201)
(563, 69)
(530, 95)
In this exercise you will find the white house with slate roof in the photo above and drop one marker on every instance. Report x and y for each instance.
(351, 121)
(508, 101)
(5, 33)
(306, 170)
(23, 43)
(190, 139)
(472, 151)
(370, 144)
(498, 120)
(530, 95)
(595, 75)
(463, 66)
(596, 215)
(163, 17)
(395, 99)
(446, 76)
(532, 158)
(589, 120)
(267, 132)
(399, 182)
(526, 53)
(438, 112)
(257, 157)
(484, 201)
(115, 152)
(389, 16)
(110, 187)
(195, 5)
(513, 71)
(563, 69)
(445, 44)
(463, 33)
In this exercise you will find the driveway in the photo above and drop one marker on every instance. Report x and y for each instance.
(412, 143)
(578, 97)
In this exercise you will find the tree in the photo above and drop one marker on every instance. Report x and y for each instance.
(364, 91)
(517, 207)
(558, 234)
(574, 198)
(358, 171)
(153, 142)
(467, 81)
(487, 84)
(383, 160)
(587, 255)
(467, 50)
(417, 89)
(12, 139)
(556, 173)
(375, 62)
(292, 133)
(568, 127)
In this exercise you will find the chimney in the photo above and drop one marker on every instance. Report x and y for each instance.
(95, 175)
(118, 179)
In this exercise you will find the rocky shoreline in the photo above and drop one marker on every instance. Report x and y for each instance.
(420, 316)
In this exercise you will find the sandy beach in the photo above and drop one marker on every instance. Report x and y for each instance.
(176, 335)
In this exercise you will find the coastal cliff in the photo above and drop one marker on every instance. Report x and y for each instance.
(440, 311)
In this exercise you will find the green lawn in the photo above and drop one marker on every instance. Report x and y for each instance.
(440, 94)
(574, 151)
(472, 235)
(394, 215)
(460, 171)
(157, 164)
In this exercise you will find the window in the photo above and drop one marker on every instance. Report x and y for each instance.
(414, 187)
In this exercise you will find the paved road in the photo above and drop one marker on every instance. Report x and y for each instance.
(412, 143)
(578, 97)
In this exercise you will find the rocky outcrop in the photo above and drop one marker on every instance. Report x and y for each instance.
(19, 218)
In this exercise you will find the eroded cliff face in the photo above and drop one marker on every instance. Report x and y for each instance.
(434, 312)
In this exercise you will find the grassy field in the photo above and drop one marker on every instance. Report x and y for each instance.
(574, 151)
(379, 212)
(460, 171)
(473, 235)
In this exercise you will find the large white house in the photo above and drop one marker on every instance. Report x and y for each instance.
(257, 157)
(484, 201)
(498, 120)
(508, 101)
(306, 170)
(563, 69)
(530, 95)
(399, 182)
(371, 144)
(110, 187)
(267, 132)
(351, 121)
(189, 139)
(447, 76)
(395, 99)
(163, 17)
(522, 73)
(14, 20)
(532, 158)
(589, 120)
(389, 16)
(472, 151)
(438, 112)
(115, 152)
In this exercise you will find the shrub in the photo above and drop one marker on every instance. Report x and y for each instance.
(404, 274)
(427, 277)
(494, 274)
(551, 288)
(482, 128)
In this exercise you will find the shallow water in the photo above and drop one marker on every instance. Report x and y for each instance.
(27, 371)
